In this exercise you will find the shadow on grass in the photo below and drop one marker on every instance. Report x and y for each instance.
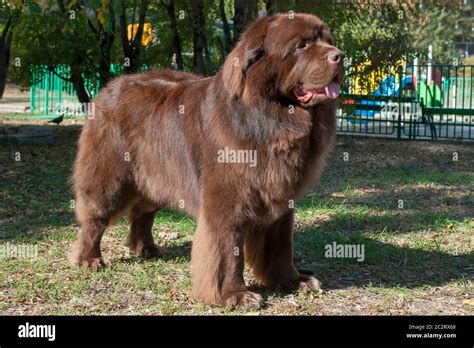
(384, 265)
(35, 198)
(176, 251)
(424, 208)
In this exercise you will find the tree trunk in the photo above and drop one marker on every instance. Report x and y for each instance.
(245, 12)
(207, 54)
(80, 88)
(137, 41)
(199, 41)
(175, 39)
(227, 36)
(105, 75)
(78, 80)
(132, 48)
(76, 77)
(61, 6)
(271, 6)
(5, 46)
(106, 41)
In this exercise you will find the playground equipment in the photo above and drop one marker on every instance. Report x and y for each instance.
(147, 36)
(399, 80)
(433, 101)
(440, 86)
(430, 94)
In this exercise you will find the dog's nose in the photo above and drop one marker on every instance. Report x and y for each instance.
(335, 56)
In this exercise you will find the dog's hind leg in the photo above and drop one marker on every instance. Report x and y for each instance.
(86, 251)
(95, 212)
(140, 239)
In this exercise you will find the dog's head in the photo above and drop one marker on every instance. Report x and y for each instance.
(289, 56)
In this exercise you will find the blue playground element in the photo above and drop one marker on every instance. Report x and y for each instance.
(387, 88)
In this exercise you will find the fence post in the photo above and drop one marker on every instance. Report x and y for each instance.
(32, 89)
(399, 125)
(46, 92)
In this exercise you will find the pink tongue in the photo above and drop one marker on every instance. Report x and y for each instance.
(332, 90)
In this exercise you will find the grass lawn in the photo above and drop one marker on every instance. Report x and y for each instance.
(418, 259)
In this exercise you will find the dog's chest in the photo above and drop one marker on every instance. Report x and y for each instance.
(287, 168)
(284, 165)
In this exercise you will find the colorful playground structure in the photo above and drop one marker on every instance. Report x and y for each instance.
(412, 100)
(427, 84)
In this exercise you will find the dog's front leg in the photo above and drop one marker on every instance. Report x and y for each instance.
(269, 252)
(217, 263)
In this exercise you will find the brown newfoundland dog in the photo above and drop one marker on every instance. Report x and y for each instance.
(233, 150)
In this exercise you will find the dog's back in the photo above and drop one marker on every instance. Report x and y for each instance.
(128, 143)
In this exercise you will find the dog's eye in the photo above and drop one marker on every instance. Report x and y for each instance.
(301, 45)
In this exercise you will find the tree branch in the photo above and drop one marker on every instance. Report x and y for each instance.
(61, 6)
(51, 68)
(227, 36)
(5, 31)
(123, 29)
(141, 24)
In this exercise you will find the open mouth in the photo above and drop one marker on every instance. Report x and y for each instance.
(330, 91)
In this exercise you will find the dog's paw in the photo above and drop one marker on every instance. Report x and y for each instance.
(93, 263)
(244, 300)
(78, 257)
(309, 283)
(149, 251)
(304, 281)
(152, 251)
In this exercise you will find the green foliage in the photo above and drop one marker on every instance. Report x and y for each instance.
(48, 37)
(435, 25)
(381, 33)
(378, 35)
(375, 34)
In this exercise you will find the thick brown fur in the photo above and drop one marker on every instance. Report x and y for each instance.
(154, 143)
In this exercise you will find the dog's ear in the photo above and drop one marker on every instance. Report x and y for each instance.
(249, 49)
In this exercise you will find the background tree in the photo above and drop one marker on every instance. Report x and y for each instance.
(245, 11)
(271, 6)
(374, 37)
(436, 25)
(53, 35)
(199, 38)
(176, 49)
(9, 12)
(92, 36)
(227, 40)
(101, 20)
(5, 46)
(132, 46)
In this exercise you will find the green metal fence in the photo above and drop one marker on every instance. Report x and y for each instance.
(52, 95)
(422, 101)
(427, 102)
